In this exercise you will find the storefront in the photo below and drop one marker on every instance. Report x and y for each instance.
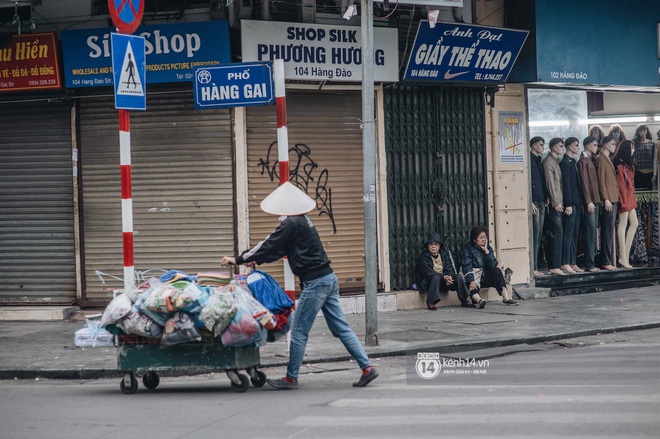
(38, 256)
(182, 170)
(605, 76)
(324, 133)
(183, 213)
(441, 172)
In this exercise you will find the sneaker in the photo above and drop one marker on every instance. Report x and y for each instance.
(368, 375)
(432, 308)
(510, 302)
(468, 305)
(482, 304)
(285, 383)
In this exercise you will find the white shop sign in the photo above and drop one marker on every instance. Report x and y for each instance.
(316, 52)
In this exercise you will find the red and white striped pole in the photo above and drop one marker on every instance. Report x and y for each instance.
(283, 156)
(126, 198)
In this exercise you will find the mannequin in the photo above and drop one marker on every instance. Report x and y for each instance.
(616, 131)
(644, 152)
(627, 213)
(597, 132)
(608, 188)
(656, 160)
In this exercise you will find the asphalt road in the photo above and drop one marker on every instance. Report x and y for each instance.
(601, 386)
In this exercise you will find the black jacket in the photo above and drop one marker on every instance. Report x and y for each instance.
(539, 191)
(297, 239)
(570, 182)
(473, 257)
(425, 264)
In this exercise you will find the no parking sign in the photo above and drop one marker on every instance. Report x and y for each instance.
(126, 14)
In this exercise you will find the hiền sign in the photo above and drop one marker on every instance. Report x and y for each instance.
(30, 62)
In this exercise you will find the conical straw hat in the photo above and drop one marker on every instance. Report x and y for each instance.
(287, 200)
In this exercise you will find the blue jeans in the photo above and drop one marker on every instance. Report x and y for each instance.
(590, 225)
(571, 231)
(555, 237)
(321, 294)
(537, 230)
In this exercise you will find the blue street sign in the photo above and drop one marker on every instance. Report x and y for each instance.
(129, 72)
(234, 85)
(463, 53)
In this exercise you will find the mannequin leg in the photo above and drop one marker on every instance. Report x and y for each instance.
(630, 234)
(621, 239)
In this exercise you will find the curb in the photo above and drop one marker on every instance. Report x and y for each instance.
(443, 348)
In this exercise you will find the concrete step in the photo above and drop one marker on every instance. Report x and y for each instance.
(582, 283)
(37, 313)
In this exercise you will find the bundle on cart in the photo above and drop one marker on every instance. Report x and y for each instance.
(182, 324)
(178, 308)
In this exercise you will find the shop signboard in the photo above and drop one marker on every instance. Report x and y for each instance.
(458, 52)
(30, 62)
(235, 85)
(315, 52)
(602, 53)
(173, 52)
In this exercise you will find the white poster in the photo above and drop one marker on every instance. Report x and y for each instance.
(512, 137)
(315, 52)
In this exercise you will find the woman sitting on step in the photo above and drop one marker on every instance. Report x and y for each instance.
(480, 267)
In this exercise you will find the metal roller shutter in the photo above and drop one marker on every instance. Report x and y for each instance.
(37, 242)
(183, 208)
(325, 158)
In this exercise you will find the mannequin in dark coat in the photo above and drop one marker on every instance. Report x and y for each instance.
(436, 258)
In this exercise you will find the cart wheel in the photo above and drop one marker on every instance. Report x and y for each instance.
(245, 383)
(128, 388)
(258, 379)
(150, 380)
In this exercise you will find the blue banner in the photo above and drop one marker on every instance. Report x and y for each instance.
(173, 52)
(463, 53)
(235, 85)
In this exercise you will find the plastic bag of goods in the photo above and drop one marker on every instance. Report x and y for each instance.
(93, 335)
(245, 300)
(180, 328)
(218, 311)
(242, 331)
(117, 309)
(268, 292)
(139, 324)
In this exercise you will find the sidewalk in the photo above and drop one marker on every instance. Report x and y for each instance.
(32, 349)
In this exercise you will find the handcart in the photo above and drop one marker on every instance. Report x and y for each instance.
(141, 356)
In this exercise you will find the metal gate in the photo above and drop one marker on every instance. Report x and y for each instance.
(437, 180)
(37, 240)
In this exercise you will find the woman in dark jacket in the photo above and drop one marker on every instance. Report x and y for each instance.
(436, 273)
(480, 267)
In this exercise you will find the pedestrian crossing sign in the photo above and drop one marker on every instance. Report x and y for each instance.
(129, 71)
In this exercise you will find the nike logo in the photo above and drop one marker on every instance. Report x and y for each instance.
(453, 75)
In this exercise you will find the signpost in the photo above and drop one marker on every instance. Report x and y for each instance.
(234, 85)
(127, 16)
